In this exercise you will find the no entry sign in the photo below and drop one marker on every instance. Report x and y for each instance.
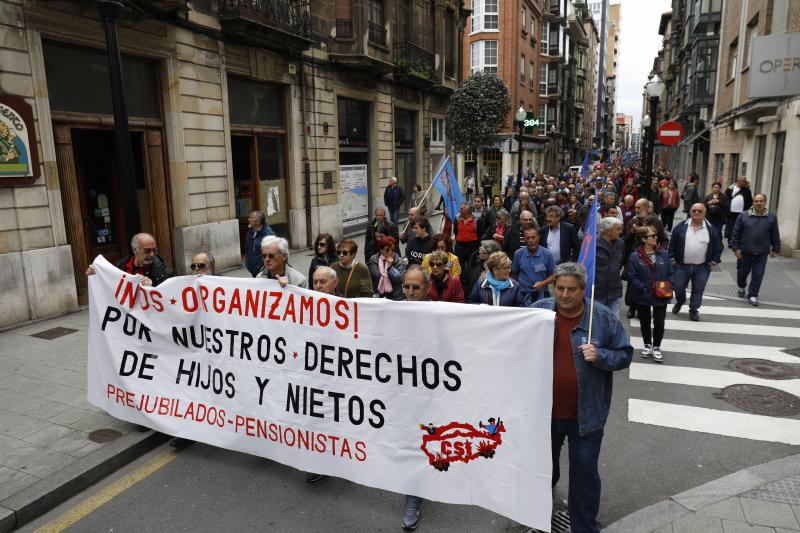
(670, 132)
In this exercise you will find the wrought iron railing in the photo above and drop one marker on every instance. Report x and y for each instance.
(376, 33)
(344, 28)
(292, 16)
(414, 60)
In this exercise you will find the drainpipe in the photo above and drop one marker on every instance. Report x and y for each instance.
(306, 159)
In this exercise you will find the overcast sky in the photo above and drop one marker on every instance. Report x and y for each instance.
(639, 44)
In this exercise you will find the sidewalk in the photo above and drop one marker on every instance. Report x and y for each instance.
(759, 499)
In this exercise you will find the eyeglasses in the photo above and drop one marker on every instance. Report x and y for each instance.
(409, 286)
(198, 266)
(270, 256)
(651, 235)
(437, 264)
(344, 252)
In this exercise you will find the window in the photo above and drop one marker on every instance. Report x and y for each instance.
(733, 50)
(733, 167)
(777, 170)
(542, 119)
(522, 17)
(762, 152)
(750, 34)
(449, 44)
(543, 79)
(484, 15)
(522, 70)
(705, 76)
(533, 27)
(437, 130)
(377, 32)
(719, 167)
(543, 46)
(531, 76)
(484, 56)
(710, 6)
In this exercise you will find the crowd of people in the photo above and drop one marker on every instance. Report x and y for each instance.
(519, 249)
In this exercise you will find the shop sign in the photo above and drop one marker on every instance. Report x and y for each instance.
(775, 65)
(19, 159)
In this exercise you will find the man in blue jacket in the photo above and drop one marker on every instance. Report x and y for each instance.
(257, 229)
(755, 235)
(695, 247)
(582, 383)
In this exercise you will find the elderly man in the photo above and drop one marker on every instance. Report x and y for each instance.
(258, 228)
(559, 237)
(416, 284)
(533, 266)
(275, 254)
(370, 242)
(203, 263)
(325, 280)
(143, 260)
(695, 247)
(582, 383)
(608, 264)
(755, 235)
(514, 238)
(393, 198)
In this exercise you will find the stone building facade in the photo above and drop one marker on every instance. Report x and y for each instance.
(302, 110)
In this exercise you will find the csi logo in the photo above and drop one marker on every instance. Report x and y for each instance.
(787, 64)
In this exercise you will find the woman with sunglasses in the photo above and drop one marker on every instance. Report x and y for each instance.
(444, 286)
(387, 269)
(354, 278)
(324, 253)
(442, 242)
(647, 265)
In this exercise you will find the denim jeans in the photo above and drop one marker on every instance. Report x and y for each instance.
(413, 502)
(698, 274)
(584, 479)
(394, 214)
(757, 263)
(615, 304)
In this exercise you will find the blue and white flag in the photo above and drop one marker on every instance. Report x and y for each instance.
(589, 247)
(446, 183)
(585, 166)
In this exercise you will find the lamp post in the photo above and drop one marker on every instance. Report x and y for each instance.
(520, 116)
(644, 137)
(655, 91)
(553, 147)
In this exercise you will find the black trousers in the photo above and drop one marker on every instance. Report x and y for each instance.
(729, 223)
(657, 316)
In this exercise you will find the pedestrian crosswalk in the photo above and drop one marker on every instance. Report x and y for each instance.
(695, 361)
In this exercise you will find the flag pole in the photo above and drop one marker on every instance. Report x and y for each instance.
(435, 177)
(591, 315)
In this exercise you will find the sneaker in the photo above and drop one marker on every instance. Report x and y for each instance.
(179, 443)
(647, 351)
(741, 292)
(694, 316)
(411, 519)
(753, 301)
(313, 478)
(676, 308)
(657, 357)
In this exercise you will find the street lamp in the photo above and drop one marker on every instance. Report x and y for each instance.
(520, 116)
(655, 91)
(644, 136)
(554, 146)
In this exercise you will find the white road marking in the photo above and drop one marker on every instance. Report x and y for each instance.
(706, 377)
(730, 424)
(749, 311)
(721, 349)
(723, 327)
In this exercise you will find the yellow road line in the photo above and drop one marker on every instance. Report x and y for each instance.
(107, 494)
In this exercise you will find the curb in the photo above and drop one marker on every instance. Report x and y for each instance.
(687, 502)
(47, 493)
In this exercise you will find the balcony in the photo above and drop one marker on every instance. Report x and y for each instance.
(282, 25)
(553, 90)
(413, 64)
(580, 72)
(376, 34)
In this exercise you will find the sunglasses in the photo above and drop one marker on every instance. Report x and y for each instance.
(321, 245)
(409, 286)
(436, 264)
(270, 256)
(197, 266)
(344, 252)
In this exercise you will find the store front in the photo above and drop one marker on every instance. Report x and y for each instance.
(258, 148)
(81, 110)
(354, 167)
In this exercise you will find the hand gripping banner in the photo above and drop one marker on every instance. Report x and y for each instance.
(449, 402)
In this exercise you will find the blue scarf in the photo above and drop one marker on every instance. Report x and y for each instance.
(496, 285)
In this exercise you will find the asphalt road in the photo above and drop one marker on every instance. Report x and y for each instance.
(657, 443)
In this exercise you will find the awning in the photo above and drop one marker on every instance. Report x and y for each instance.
(689, 139)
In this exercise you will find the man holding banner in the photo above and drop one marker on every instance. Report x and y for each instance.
(588, 347)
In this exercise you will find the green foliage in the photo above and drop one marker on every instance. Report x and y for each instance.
(476, 111)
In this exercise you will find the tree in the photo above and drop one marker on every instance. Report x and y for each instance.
(476, 111)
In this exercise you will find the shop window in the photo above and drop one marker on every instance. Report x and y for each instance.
(253, 102)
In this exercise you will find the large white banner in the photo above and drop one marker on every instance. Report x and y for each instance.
(449, 402)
